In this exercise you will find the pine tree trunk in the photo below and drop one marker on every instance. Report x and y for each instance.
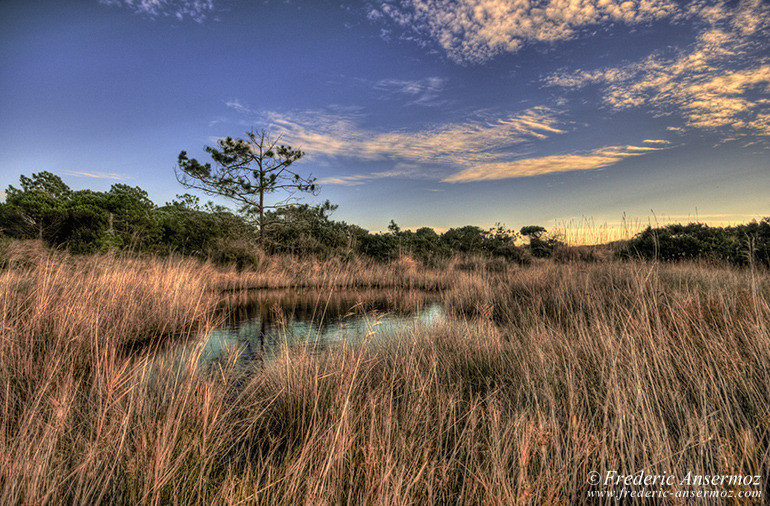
(261, 208)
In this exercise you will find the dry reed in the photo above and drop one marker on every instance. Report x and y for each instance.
(557, 370)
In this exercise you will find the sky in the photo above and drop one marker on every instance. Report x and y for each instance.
(428, 112)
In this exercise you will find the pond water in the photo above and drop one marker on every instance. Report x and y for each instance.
(261, 322)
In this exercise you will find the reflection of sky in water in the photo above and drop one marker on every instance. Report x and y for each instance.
(351, 329)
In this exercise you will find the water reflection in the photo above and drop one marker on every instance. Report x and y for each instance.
(261, 322)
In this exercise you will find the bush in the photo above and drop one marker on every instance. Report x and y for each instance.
(738, 245)
(541, 245)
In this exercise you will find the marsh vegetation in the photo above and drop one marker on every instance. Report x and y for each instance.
(545, 372)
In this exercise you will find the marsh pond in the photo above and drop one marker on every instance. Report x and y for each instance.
(262, 322)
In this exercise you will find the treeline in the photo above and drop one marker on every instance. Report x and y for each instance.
(124, 218)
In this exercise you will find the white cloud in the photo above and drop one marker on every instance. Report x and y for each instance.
(472, 31)
(400, 170)
(713, 84)
(337, 132)
(722, 101)
(528, 167)
(480, 140)
(236, 105)
(476, 150)
(197, 10)
(97, 175)
(420, 91)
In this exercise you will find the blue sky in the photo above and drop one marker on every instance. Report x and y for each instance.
(428, 112)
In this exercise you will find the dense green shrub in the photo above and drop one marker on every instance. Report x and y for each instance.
(738, 245)
(541, 245)
(304, 229)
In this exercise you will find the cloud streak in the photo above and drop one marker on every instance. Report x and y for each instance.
(474, 150)
(410, 172)
(419, 91)
(97, 175)
(528, 167)
(473, 31)
(475, 141)
(197, 10)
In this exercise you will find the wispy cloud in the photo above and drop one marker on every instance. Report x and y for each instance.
(476, 150)
(418, 153)
(197, 10)
(418, 92)
(473, 31)
(339, 134)
(97, 175)
(475, 141)
(236, 105)
(716, 83)
(400, 170)
(528, 167)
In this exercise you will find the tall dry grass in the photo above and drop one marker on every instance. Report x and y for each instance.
(555, 370)
(282, 271)
(77, 411)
